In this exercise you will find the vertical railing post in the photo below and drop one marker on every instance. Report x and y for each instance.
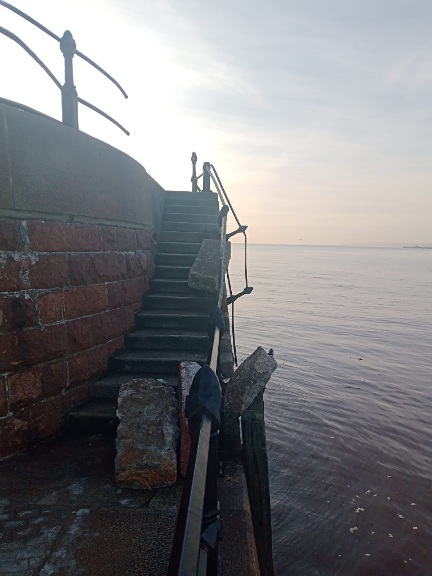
(69, 92)
(206, 177)
(194, 178)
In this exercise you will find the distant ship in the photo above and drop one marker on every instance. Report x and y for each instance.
(420, 247)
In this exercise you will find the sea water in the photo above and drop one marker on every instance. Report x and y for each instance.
(349, 408)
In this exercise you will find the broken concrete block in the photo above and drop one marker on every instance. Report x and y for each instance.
(205, 271)
(249, 379)
(187, 371)
(146, 436)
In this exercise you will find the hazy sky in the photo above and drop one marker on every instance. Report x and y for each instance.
(316, 113)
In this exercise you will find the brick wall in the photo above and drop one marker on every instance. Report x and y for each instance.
(68, 294)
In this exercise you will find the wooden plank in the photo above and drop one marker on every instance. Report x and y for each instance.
(257, 478)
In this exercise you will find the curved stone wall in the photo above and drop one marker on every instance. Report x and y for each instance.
(78, 221)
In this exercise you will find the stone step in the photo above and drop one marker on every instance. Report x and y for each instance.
(180, 217)
(166, 258)
(172, 271)
(167, 339)
(171, 320)
(180, 247)
(96, 416)
(178, 302)
(190, 195)
(212, 209)
(172, 286)
(108, 386)
(171, 226)
(199, 200)
(177, 236)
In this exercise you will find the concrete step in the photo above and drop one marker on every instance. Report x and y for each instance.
(167, 339)
(165, 258)
(108, 386)
(181, 217)
(171, 226)
(178, 302)
(172, 271)
(190, 195)
(200, 200)
(96, 416)
(174, 320)
(212, 209)
(177, 236)
(180, 247)
(170, 286)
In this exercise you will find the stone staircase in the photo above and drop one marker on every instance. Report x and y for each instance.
(172, 325)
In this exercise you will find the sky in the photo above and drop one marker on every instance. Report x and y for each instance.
(317, 114)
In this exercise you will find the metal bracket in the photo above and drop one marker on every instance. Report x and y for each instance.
(240, 230)
(233, 298)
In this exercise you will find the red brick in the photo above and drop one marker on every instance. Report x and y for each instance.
(42, 345)
(74, 397)
(55, 378)
(46, 236)
(49, 271)
(108, 238)
(83, 238)
(136, 265)
(109, 325)
(78, 270)
(45, 419)
(133, 290)
(3, 397)
(107, 267)
(51, 306)
(115, 295)
(114, 345)
(14, 273)
(129, 317)
(13, 435)
(145, 241)
(126, 240)
(80, 334)
(10, 236)
(150, 266)
(24, 388)
(18, 312)
(9, 353)
(86, 300)
(86, 365)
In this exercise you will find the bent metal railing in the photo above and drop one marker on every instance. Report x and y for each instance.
(69, 94)
(199, 527)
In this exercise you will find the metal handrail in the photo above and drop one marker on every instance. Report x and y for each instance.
(70, 98)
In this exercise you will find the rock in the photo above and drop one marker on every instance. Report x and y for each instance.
(187, 371)
(249, 379)
(205, 271)
(147, 435)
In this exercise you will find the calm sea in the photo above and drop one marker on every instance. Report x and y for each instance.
(349, 409)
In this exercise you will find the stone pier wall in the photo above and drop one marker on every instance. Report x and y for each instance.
(78, 220)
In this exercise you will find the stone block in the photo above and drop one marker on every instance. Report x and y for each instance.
(13, 435)
(249, 379)
(85, 301)
(145, 241)
(108, 238)
(9, 353)
(37, 346)
(187, 371)
(45, 419)
(115, 295)
(78, 265)
(50, 306)
(107, 267)
(24, 388)
(115, 345)
(84, 366)
(126, 240)
(108, 325)
(205, 271)
(10, 236)
(55, 378)
(46, 236)
(18, 312)
(136, 265)
(147, 435)
(133, 290)
(48, 271)
(14, 273)
(83, 238)
(73, 397)
(3, 397)
(80, 334)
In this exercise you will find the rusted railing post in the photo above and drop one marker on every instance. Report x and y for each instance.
(69, 92)
(194, 178)
(206, 177)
